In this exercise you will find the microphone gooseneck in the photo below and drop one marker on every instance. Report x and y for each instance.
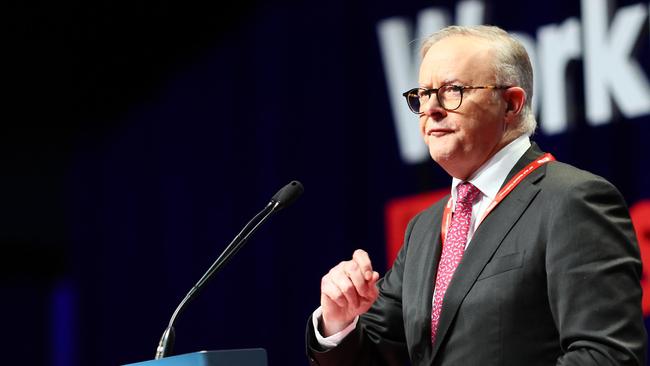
(283, 198)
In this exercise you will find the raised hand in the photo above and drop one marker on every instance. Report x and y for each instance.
(347, 290)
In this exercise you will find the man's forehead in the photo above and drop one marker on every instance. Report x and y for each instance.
(456, 59)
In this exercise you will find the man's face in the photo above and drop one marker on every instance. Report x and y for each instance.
(460, 141)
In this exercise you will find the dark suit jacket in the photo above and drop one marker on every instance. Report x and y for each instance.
(551, 276)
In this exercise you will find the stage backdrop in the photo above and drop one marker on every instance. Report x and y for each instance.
(148, 189)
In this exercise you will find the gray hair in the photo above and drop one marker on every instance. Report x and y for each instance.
(512, 65)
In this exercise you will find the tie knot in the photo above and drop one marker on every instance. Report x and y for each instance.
(467, 193)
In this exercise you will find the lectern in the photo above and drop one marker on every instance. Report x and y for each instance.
(236, 357)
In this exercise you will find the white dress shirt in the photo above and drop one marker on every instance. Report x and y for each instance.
(488, 179)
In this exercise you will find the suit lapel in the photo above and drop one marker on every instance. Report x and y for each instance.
(420, 267)
(431, 250)
(487, 239)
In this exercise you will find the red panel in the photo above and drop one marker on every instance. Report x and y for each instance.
(640, 213)
(399, 212)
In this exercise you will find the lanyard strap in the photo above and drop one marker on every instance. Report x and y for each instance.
(503, 192)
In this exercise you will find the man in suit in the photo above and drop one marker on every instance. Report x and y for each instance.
(530, 262)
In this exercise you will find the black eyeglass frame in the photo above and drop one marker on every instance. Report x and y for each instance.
(459, 88)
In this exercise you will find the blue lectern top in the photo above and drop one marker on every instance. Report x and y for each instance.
(237, 357)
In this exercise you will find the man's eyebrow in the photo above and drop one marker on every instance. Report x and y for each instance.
(452, 81)
(444, 82)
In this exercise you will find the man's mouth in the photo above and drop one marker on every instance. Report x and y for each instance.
(437, 132)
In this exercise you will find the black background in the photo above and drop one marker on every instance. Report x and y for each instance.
(138, 138)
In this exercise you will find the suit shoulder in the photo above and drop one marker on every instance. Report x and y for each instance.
(567, 181)
(563, 176)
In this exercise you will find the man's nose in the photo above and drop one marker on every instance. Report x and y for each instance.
(433, 109)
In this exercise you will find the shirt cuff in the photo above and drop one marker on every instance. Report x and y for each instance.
(336, 338)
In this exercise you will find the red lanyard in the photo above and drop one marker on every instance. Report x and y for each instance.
(503, 192)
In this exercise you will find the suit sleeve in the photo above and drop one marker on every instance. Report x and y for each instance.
(593, 274)
(379, 336)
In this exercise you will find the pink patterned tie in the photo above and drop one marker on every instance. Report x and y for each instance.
(452, 248)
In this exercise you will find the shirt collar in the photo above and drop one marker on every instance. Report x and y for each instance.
(490, 176)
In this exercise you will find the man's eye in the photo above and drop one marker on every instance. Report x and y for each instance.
(453, 89)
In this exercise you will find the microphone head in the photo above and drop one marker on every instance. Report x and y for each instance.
(288, 194)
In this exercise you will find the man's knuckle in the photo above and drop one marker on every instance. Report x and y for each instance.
(347, 288)
(352, 266)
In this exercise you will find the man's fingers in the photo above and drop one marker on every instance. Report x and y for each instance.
(375, 277)
(332, 292)
(363, 261)
(359, 269)
(358, 278)
(341, 279)
(351, 283)
(373, 291)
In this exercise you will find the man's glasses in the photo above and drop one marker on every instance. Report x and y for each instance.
(449, 96)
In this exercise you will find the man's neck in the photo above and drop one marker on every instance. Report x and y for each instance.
(459, 171)
(490, 176)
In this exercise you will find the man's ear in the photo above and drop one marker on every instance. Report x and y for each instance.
(515, 98)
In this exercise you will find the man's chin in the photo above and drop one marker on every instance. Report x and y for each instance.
(440, 153)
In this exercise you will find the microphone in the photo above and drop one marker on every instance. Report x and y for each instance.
(286, 196)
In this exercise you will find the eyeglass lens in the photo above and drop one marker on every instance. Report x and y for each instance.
(449, 97)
